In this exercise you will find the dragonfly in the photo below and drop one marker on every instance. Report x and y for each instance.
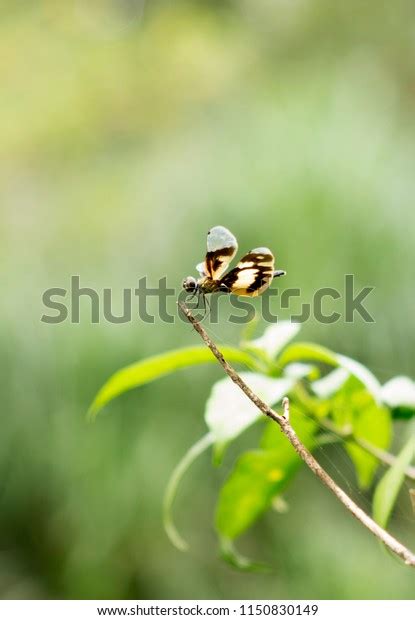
(251, 276)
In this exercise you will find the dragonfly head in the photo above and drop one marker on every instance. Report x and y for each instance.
(190, 284)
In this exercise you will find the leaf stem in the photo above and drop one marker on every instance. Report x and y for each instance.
(191, 455)
(388, 540)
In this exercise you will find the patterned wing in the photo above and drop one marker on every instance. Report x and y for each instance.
(252, 275)
(201, 269)
(221, 248)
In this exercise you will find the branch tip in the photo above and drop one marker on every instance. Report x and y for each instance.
(286, 408)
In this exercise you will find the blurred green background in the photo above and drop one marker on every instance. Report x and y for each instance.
(127, 130)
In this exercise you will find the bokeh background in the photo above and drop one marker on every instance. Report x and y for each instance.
(127, 130)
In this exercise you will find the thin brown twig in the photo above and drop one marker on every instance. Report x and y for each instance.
(283, 420)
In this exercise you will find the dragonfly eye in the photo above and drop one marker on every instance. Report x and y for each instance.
(190, 284)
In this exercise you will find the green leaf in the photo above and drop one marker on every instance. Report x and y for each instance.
(152, 368)
(363, 374)
(258, 476)
(387, 490)
(399, 392)
(229, 411)
(354, 409)
(403, 413)
(299, 370)
(307, 351)
(330, 383)
(303, 351)
(374, 425)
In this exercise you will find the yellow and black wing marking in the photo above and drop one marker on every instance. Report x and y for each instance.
(252, 275)
(221, 248)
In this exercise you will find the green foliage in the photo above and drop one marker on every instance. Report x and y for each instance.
(388, 488)
(152, 368)
(353, 408)
(259, 476)
(229, 412)
(399, 395)
(373, 424)
(332, 397)
(301, 351)
(137, 130)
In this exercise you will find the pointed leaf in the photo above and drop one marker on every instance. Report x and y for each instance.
(374, 425)
(304, 352)
(362, 373)
(298, 370)
(388, 488)
(399, 392)
(355, 410)
(330, 383)
(260, 475)
(229, 411)
(152, 368)
(257, 477)
(307, 352)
